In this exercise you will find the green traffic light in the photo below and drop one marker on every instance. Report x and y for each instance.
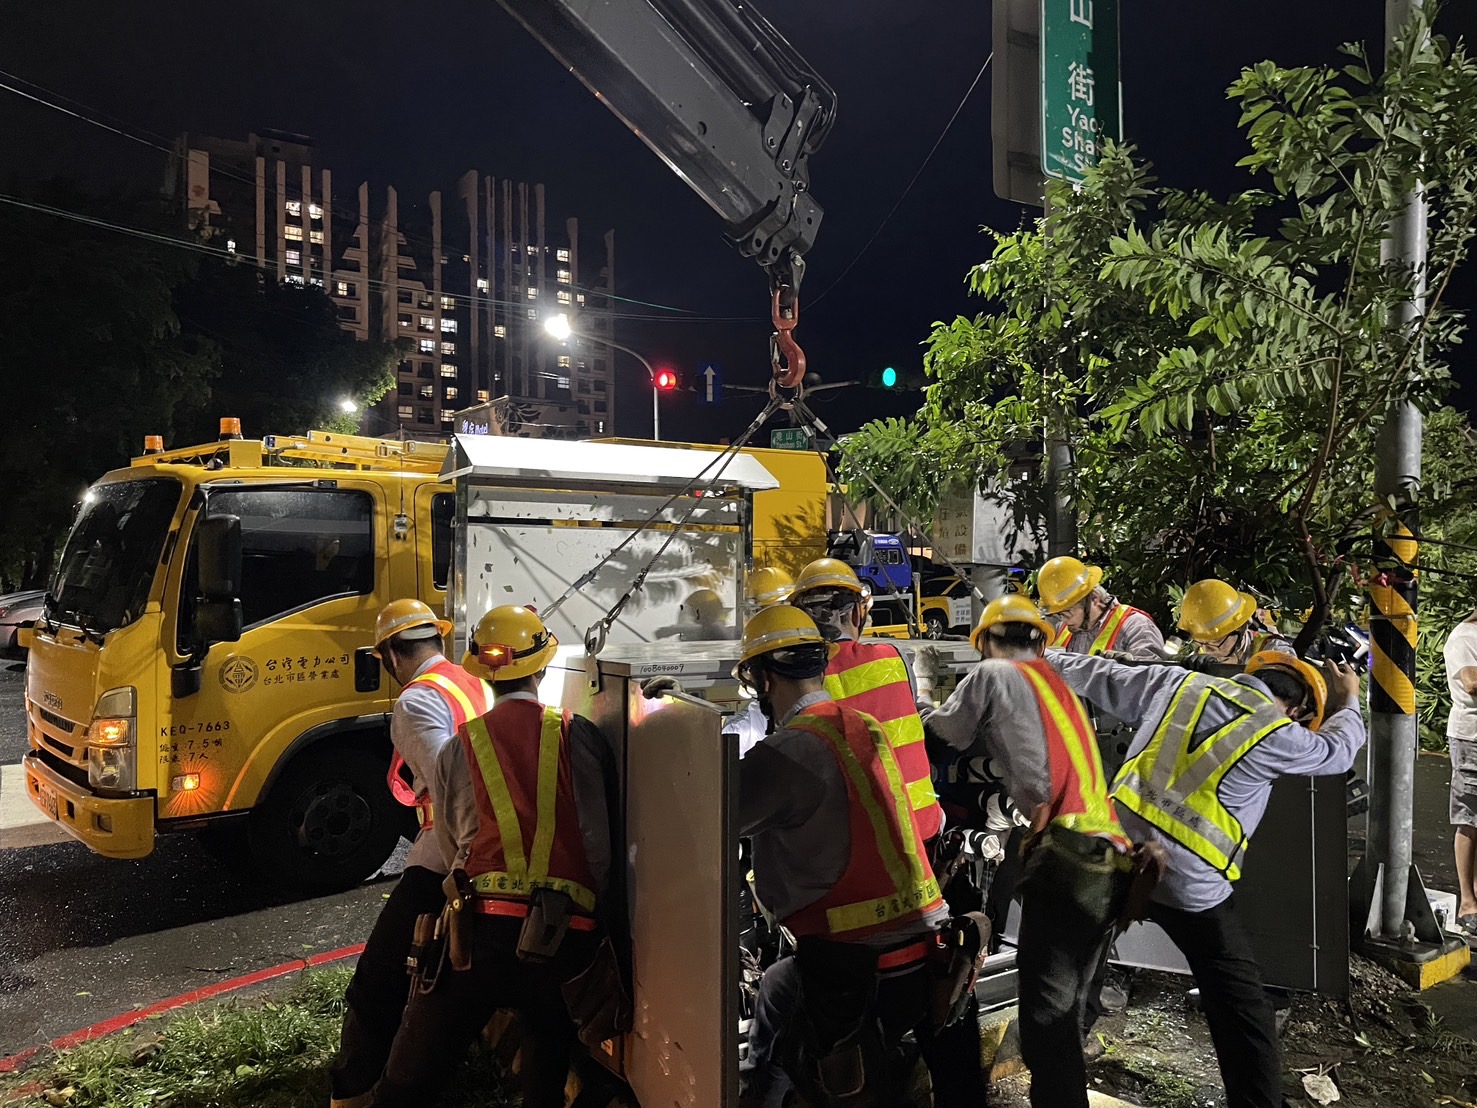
(889, 377)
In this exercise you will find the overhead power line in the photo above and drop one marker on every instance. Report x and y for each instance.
(899, 202)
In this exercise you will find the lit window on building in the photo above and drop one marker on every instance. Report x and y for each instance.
(315, 212)
(448, 370)
(341, 288)
(562, 383)
(532, 313)
(499, 331)
(448, 303)
(600, 427)
(294, 257)
(448, 325)
(295, 208)
(293, 232)
(316, 237)
(563, 296)
(448, 348)
(564, 361)
(428, 323)
(451, 392)
(447, 415)
(318, 281)
(406, 321)
(561, 255)
(532, 293)
(295, 279)
(428, 392)
(532, 250)
(230, 246)
(482, 395)
(428, 346)
(483, 284)
(562, 275)
(580, 300)
(407, 411)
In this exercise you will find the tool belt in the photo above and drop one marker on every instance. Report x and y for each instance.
(958, 953)
(1083, 872)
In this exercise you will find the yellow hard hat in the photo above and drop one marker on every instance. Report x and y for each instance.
(826, 573)
(1011, 608)
(706, 606)
(1304, 671)
(769, 586)
(1213, 609)
(778, 627)
(1064, 581)
(510, 642)
(401, 617)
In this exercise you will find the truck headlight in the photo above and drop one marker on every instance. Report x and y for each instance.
(112, 742)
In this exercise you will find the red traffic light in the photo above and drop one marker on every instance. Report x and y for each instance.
(665, 380)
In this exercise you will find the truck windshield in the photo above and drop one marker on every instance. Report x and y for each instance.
(108, 563)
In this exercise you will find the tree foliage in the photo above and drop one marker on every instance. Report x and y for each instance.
(1220, 365)
(109, 336)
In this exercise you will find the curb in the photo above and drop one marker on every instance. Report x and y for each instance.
(21, 822)
(194, 996)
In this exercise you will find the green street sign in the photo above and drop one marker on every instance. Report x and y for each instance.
(1081, 95)
(789, 438)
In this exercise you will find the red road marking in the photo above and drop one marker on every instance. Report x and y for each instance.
(194, 996)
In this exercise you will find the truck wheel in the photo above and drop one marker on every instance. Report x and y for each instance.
(934, 626)
(328, 823)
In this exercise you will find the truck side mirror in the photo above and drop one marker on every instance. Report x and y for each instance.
(218, 621)
(218, 548)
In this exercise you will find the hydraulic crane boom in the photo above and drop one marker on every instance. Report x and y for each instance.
(726, 102)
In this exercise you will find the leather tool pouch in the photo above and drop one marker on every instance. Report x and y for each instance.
(545, 926)
(1150, 862)
(456, 919)
(427, 952)
(965, 942)
(597, 999)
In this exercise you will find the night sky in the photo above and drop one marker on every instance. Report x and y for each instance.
(415, 94)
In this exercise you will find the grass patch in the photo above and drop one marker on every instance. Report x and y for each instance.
(271, 1052)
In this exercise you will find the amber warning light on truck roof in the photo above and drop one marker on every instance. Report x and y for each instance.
(230, 427)
(153, 444)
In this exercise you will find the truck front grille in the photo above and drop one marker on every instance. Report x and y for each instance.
(65, 726)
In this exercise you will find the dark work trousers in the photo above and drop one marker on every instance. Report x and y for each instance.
(1070, 894)
(375, 999)
(901, 1005)
(440, 1025)
(1237, 1009)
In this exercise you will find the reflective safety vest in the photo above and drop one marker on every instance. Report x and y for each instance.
(872, 678)
(1174, 782)
(528, 833)
(1062, 637)
(467, 697)
(887, 881)
(1108, 633)
(1079, 789)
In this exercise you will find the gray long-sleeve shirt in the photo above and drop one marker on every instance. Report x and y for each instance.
(421, 724)
(1139, 638)
(1140, 696)
(591, 766)
(793, 804)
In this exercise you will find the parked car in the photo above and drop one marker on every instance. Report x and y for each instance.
(17, 610)
(944, 608)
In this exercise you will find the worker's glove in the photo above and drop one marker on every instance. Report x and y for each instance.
(661, 686)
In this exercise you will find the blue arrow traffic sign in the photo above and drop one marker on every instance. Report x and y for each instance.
(710, 382)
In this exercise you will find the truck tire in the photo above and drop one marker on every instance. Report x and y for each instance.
(329, 821)
(934, 626)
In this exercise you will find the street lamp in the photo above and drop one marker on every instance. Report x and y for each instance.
(559, 327)
(348, 406)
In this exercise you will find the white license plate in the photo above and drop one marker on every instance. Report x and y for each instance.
(47, 799)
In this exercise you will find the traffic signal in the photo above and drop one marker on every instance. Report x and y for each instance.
(664, 380)
(897, 380)
(889, 378)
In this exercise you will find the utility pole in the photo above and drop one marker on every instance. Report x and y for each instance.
(1399, 927)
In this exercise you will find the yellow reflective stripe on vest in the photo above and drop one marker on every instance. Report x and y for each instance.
(1110, 628)
(1086, 764)
(866, 677)
(451, 689)
(903, 732)
(521, 878)
(1177, 789)
(1062, 638)
(915, 891)
(921, 794)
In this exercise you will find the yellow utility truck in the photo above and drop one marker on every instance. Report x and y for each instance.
(203, 660)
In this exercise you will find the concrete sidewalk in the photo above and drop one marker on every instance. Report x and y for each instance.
(21, 822)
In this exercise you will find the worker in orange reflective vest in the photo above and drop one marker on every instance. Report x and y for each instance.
(1015, 709)
(525, 794)
(839, 861)
(870, 677)
(1089, 620)
(437, 698)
